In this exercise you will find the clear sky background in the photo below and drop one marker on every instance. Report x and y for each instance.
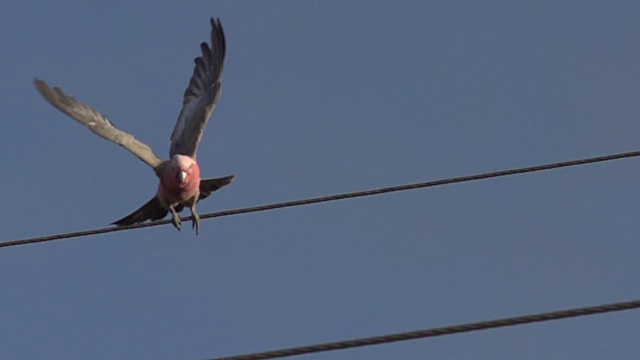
(323, 97)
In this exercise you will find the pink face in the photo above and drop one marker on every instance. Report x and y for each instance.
(180, 181)
(184, 168)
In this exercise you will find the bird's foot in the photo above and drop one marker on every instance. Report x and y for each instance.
(195, 220)
(175, 220)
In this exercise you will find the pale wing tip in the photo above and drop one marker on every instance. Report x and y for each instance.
(51, 94)
(41, 85)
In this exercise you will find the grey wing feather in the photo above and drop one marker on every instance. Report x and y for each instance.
(97, 122)
(201, 95)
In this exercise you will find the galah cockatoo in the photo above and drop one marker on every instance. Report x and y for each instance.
(180, 185)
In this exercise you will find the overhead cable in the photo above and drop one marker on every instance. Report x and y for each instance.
(349, 195)
(441, 331)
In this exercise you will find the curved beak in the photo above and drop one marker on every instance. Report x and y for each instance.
(183, 176)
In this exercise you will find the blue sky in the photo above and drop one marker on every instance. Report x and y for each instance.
(323, 97)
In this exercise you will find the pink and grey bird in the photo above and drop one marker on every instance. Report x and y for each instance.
(180, 184)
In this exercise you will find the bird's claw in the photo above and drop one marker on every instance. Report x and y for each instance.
(176, 221)
(195, 221)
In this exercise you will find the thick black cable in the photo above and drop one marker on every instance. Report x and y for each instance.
(448, 330)
(333, 197)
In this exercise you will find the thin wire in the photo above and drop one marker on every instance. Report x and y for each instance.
(449, 330)
(316, 200)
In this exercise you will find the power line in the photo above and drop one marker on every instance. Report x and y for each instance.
(350, 195)
(449, 330)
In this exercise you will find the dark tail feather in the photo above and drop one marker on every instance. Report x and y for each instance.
(152, 210)
(210, 185)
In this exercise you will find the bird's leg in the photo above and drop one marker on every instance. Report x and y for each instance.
(175, 218)
(195, 218)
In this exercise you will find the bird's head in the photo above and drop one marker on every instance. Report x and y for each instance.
(184, 168)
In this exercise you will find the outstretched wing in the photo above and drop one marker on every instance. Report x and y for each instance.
(201, 95)
(207, 186)
(97, 122)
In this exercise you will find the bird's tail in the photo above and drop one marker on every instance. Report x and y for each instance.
(152, 210)
(207, 186)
